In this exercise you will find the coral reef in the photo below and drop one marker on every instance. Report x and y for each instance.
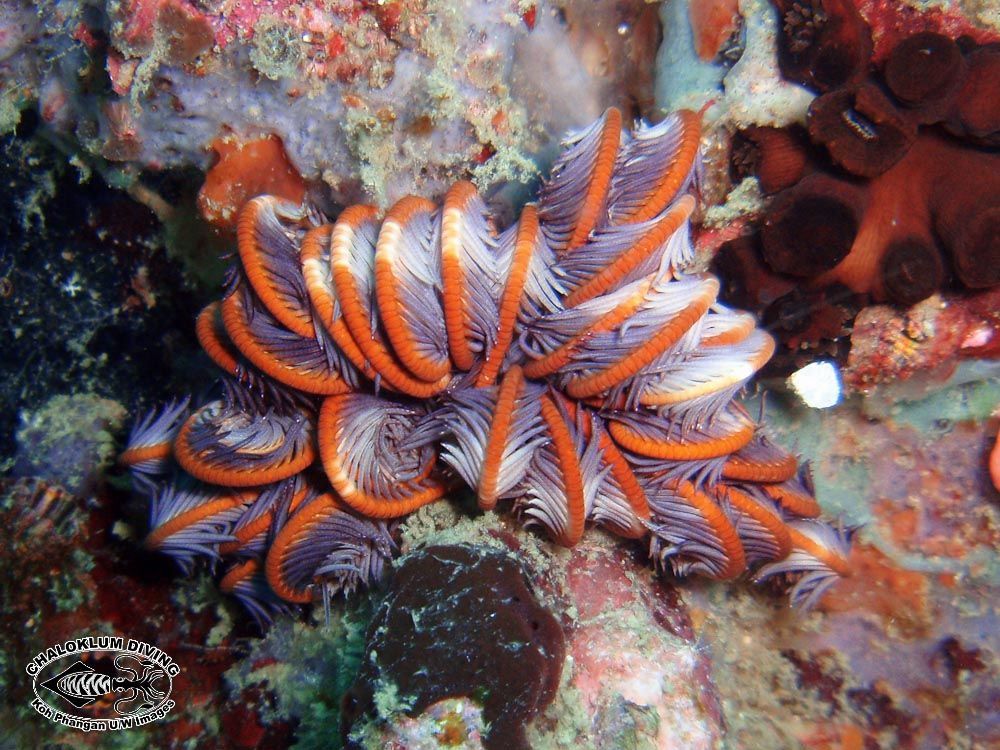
(904, 654)
(244, 170)
(420, 649)
(882, 238)
(454, 88)
(892, 229)
(742, 87)
(823, 44)
(927, 342)
(639, 674)
(452, 722)
(740, 84)
(634, 672)
(65, 573)
(570, 365)
(123, 106)
(870, 202)
(289, 684)
(96, 319)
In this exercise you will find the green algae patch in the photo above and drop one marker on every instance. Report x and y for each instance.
(745, 199)
(276, 49)
(69, 440)
(307, 668)
(11, 104)
(443, 106)
(970, 394)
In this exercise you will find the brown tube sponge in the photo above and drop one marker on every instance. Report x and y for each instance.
(974, 242)
(912, 270)
(810, 228)
(777, 156)
(964, 201)
(861, 128)
(747, 281)
(977, 105)
(823, 44)
(924, 72)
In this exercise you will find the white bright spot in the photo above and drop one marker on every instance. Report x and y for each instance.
(817, 384)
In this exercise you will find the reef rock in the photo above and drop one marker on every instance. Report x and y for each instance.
(459, 621)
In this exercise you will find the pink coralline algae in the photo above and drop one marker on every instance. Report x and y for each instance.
(926, 342)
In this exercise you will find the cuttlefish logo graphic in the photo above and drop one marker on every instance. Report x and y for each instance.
(101, 683)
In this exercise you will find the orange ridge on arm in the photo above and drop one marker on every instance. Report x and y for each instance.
(453, 298)
(560, 356)
(194, 465)
(834, 562)
(323, 301)
(743, 469)
(238, 573)
(206, 510)
(496, 441)
(218, 349)
(595, 383)
(723, 528)
(390, 306)
(673, 177)
(726, 379)
(133, 456)
(683, 450)
(600, 179)
(734, 335)
(294, 319)
(626, 479)
(770, 521)
(259, 525)
(234, 316)
(510, 301)
(799, 503)
(374, 349)
(569, 464)
(285, 538)
(609, 276)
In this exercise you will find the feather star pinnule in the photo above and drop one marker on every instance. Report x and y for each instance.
(567, 364)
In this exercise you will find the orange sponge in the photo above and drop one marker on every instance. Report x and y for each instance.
(244, 170)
